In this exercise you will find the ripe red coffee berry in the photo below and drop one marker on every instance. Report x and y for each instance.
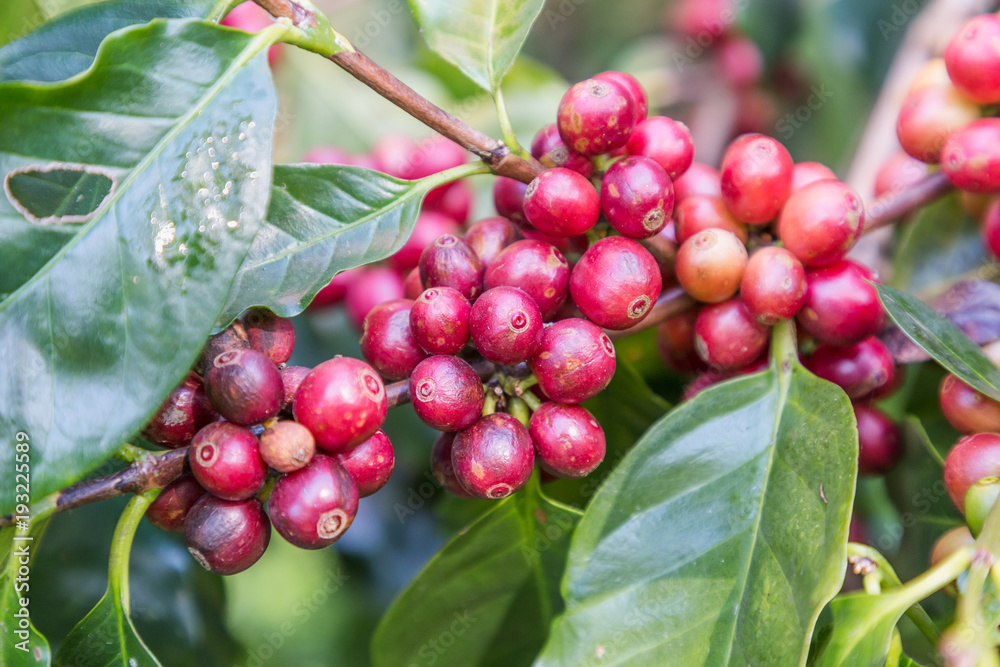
(568, 440)
(490, 236)
(439, 320)
(314, 506)
(561, 202)
(675, 342)
(535, 267)
(821, 222)
(637, 197)
(756, 178)
(508, 199)
(446, 393)
(506, 325)
(225, 461)
(430, 226)
(548, 148)
(841, 307)
(442, 467)
(710, 265)
(972, 458)
(176, 499)
(807, 173)
(929, 117)
(451, 262)
(699, 212)
(596, 116)
(388, 342)
(739, 61)
(664, 140)
(880, 446)
(773, 286)
(180, 416)
(991, 228)
(412, 287)
(632, 85)
(226, 536)
(898, 173)
(968, 410)
(369, 288)
(860, 369)
(494, 457)
(244, 386)
(370, 464)
(287, 446)
(575, 361)
(342, 402)
(291, 378)
(971, 156)
(973, 60)
(727, 336)
(270, 334)
(699, 179)
(615, 283)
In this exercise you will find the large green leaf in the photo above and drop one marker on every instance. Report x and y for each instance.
(941, 339)
(719, 538)
(181, 114)
(488, 596)
(65, 46)
(20, 642)
(480, 37)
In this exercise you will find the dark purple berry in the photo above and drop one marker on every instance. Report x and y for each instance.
(342, 402)
(637, 197)
(233, 337)
(508, 198)
(442, 467)
(291, 378)
(506, 325)
(535, 267)
(615, 283)
(370, 463)
(225, 461)
(858, 369)
(180, 416)
(451, 262)
(880, 446)
(387, 341)
(568, 440)
(312, 507)
(226, 536)
(494, 457)
(245, 387)
(489, 236)
(176, 499)
(270, 334)
(446, 393)
(287, 446)
(561, 202)
(575, 361)
(439, 320)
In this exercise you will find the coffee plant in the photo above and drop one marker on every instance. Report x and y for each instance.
(654, 388)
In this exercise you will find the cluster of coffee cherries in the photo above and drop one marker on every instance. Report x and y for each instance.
(305, 441)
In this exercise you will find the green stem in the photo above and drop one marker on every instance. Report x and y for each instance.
(121, 544)
(518, 409)
(784, 345)
(506, 128)
(129, 453)
(454, 174)
(490, 404)
(533, 401)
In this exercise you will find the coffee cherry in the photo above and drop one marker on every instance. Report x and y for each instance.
(698, 213)
(233, 337)
(710, 265)
(561, 202)
(971, 159)
(807, 173)
(675, 341)
(536, 268)
(371, 287)
(455, 201)
(898, 173)
(973, 61)
(490, 236)
(699, 179)
(342, 402)
(451, 262)
(508, 199)
(968, 410)
(388, 342)
(249, 17)
(432, 155)
(858, 369)
(727, 336)
(176, 499)
(972, 458)
(700, 19)
(442, 467)
(270, 334)
(664, 140)
(548, 148)
(934, 72)
(494, 457)
(596, 116)
(821, 222)
(929, 117)
(575, 361)
(637, 197)
(739, 61)
(841, 307)
(879, 441)
(950, 542)
(287, 446)
(291, 378)
(756, 178)
(568, 440)
(226, 536)
(430, 226)
(446, 393)
(634, 88)
(225, 461)
(244, 386)
(773, 286)
(370, 464)
(615, 283)
(439, 320)
(314, 506)
(991, 228)
(180, 416)
(412, 287)
(506, 325)
(979, 500)
(335, 290)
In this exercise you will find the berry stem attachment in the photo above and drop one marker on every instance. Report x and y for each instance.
(533, 401)
(518, 409)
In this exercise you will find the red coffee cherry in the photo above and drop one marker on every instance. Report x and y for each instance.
(971, 157)
(972, 59)
(342, 402)
(176, 499)
(439, 321)
(490, 236)
(441, 466)
(226, 536)
(972, 458)
(387, 340)
(451, 262)
(455, 201)
(225, 461)
(561, 202)
(615, 283)
(710, 265)
(727, 336)
(270, 334)
(287, 446)
(821, 222)
(739, 61)
(991, 228)
(180, 416)
(700, 19)
(898, 173)
(929, 117)
(412, 287)
(291, 378)
(430, 226)
(675, 341)
(756, 178)
(314, 506)
(535, 267)
(596, 116)
(568, 440)
(880, 445)
(494, 457)
(968, 410)
(773, 286)
(244, 386)
(506, 325)
(807, 173)
(335, 290)
(575, 361)
(698, 213)
(369, 288)
(632, 85)
(548, 148)
(446, 393)
(841, 307)
(508, 199)
(637, 197)
(664, 140)
(699, 179)
(859, 369)
(370, 464)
